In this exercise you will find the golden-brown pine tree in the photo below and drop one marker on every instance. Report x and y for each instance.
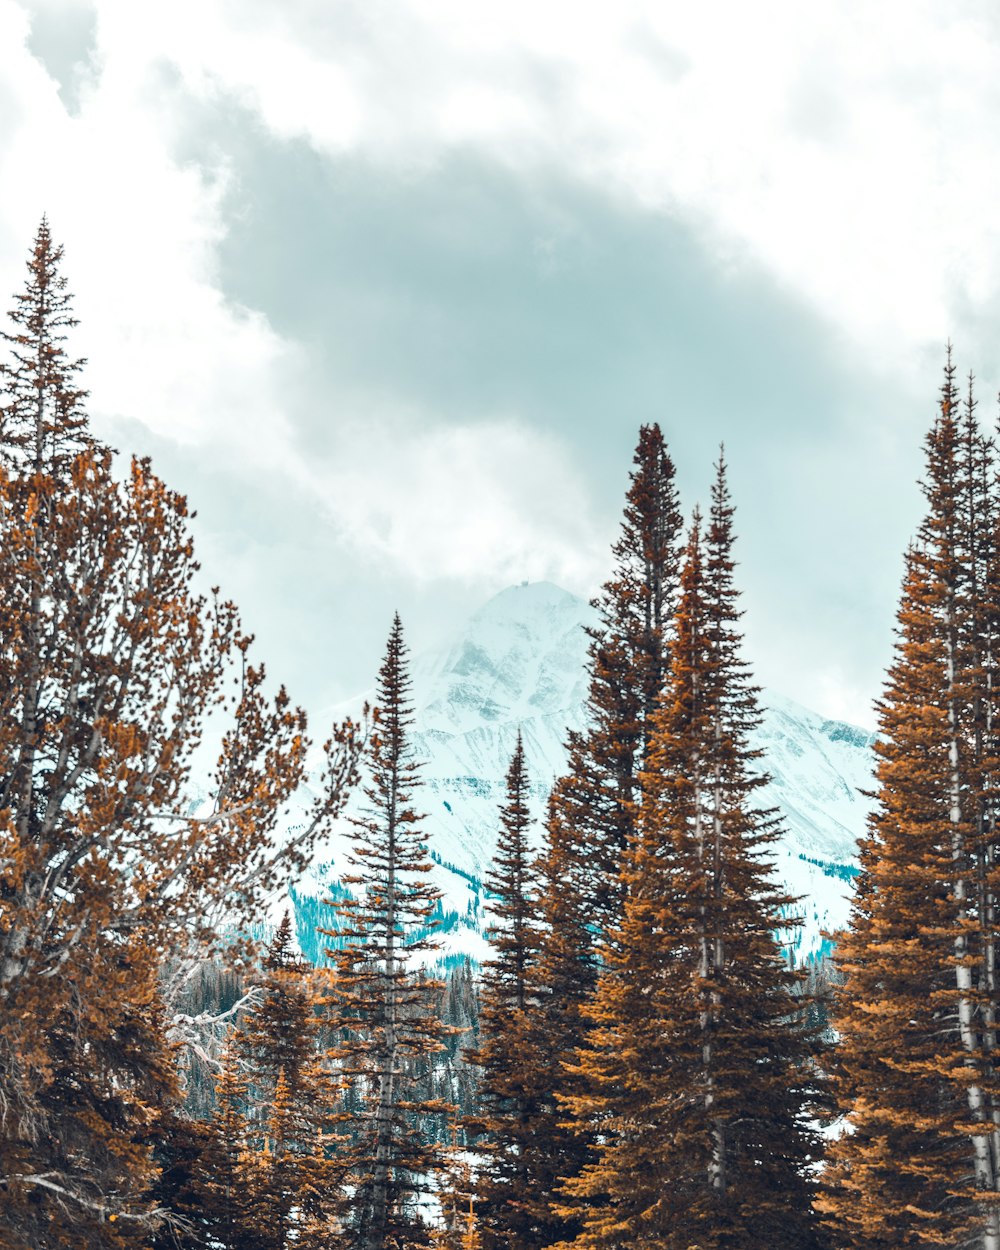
(111, 872)
(592, 813)
(916, 1015)
(696, 1074)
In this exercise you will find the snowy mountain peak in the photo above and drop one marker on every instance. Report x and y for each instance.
(519, 664)
(519, 657)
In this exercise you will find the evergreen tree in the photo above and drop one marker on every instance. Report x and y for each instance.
(916, 1015)
(696, 1072)
(597, 798)
(515, 1088)
(384, 1008)
(43, 424)
(592, 811)
(292, 1108)
(110, 667)
(220, 1173)
(459, 1227)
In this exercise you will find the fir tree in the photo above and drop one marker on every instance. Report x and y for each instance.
(514, 1088)
(384, 1008)
(597, 798)
(917, 1012)
(220, 1174)
(295, 1177)
(43, 424)
(695, 1073)
(592, 810)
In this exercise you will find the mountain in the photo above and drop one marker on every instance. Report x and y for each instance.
(518, 663)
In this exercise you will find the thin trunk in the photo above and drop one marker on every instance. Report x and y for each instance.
(717, 1171)
(385, 1112)
(983, 1154)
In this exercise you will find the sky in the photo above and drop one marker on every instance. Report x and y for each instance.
(388, 289)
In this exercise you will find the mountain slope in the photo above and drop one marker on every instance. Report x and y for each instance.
(518, 663)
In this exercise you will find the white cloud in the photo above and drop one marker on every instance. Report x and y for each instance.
(140, 230)
(848, 148)
(141, 227)
(493, 501)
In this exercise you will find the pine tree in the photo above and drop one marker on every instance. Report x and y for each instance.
(384, 1007)
(917, 1012)
(597, 798)
(110, 668)
(220, 1173)
(459, 1227)
(695, 1072)
(293, 1110)
(515, 1088)
(592, 810)
(43, 424)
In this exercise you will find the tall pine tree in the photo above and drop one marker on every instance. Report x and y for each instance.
(917, 1012)
(384, 1006)
(111, 667)
(592, 810)
(696, 1074)
(515, 1086)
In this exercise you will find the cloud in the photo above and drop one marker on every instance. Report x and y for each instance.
(142, 227)
(839, 147)
(469, 503)
(825, 169)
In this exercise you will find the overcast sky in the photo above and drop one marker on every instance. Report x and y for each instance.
(388, 288)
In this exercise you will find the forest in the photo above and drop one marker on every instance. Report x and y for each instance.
(637, 1065)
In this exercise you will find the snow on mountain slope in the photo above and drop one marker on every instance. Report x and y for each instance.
(518, 663)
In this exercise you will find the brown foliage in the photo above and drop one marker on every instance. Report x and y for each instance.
(114, 671)
(917, 1014)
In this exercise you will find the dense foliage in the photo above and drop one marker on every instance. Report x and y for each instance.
(636, 1066)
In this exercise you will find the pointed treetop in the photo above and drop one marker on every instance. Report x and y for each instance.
(281, 953)
(42, 420)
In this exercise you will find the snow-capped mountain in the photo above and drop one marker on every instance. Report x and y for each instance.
(518, 663)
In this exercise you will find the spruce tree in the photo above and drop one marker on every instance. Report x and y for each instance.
(695, 1073)
(916, 1015)
(293, 1108)
(220, 1173)
(515, 1087)
(597, 797)
(592, 809)
(384, 1007)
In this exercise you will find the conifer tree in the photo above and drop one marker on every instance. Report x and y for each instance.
(294, 1178)
(384, 1006)
(110, 667)
(43, 424)
(220, 1173)
(515, 1087)
(592, 809)
(597, 798)
(916, 1015)
(695, 1072)
(459, 1227)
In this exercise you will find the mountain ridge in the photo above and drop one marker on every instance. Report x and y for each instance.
(518, 664)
